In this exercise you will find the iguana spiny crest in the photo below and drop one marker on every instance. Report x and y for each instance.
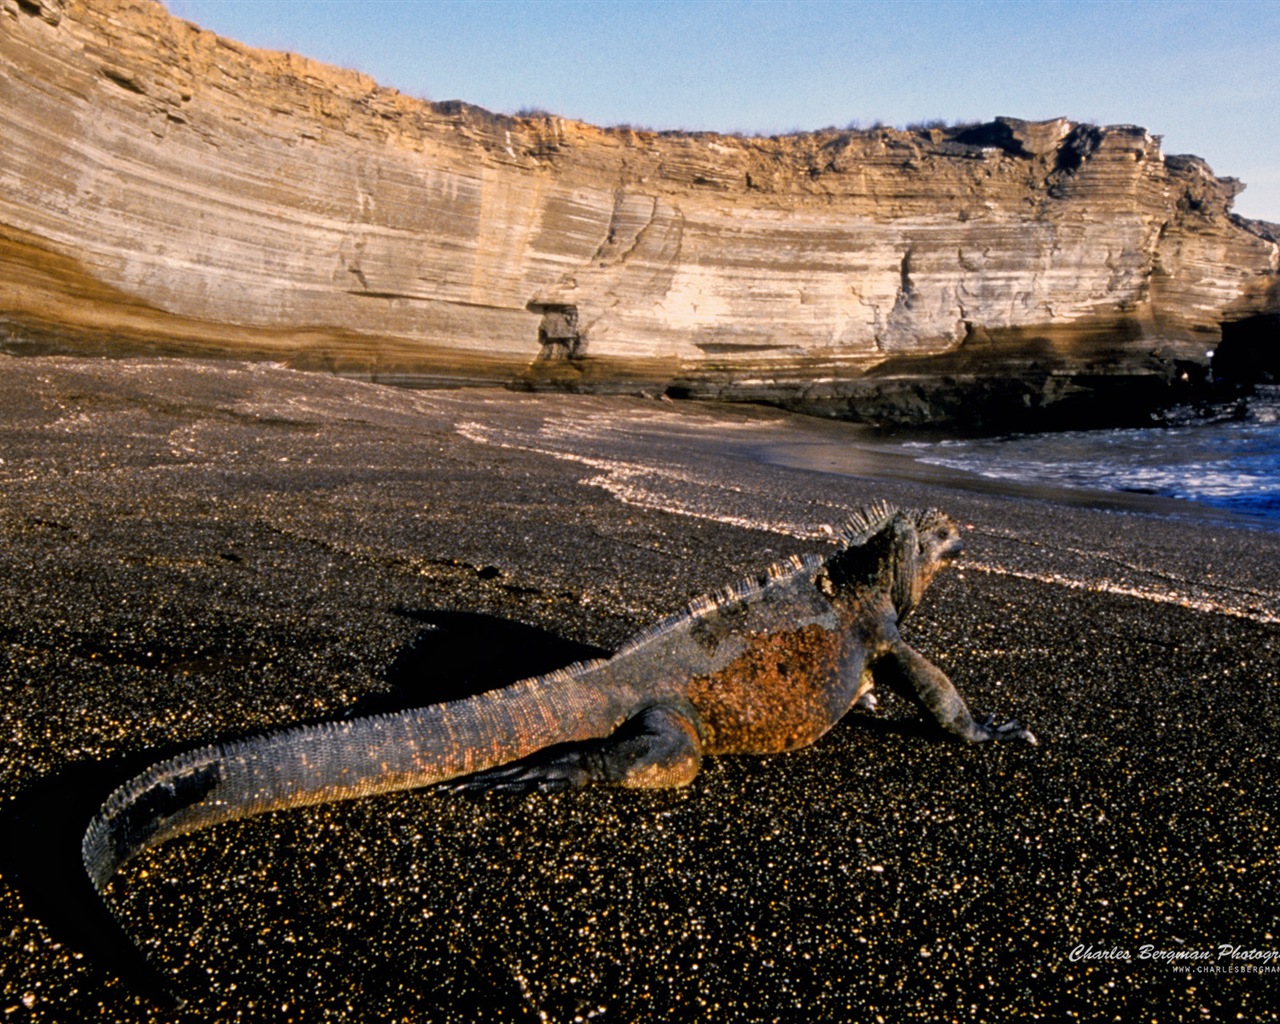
(894, 551)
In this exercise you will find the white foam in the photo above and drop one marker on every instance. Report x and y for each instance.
(1171, 595)
(640, 486)
(673, 489)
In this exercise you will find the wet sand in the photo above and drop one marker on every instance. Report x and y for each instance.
(191, 551)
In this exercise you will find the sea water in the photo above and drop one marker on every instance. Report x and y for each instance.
(1233, 465)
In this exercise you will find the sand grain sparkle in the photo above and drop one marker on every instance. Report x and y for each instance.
(191, 551)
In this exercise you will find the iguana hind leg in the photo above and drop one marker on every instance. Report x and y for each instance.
(912, 675)
(657, 749)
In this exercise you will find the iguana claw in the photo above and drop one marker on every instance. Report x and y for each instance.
(540, 775)
(1010, 730)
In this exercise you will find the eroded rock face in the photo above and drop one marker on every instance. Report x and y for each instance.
(161, 187)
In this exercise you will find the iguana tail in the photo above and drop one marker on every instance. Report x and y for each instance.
(315, 764)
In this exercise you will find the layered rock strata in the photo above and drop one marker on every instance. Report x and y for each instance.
(162, 188)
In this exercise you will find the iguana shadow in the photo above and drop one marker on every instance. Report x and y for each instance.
(461, 654)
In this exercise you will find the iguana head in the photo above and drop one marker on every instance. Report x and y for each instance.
(894, 550)
(938, 541)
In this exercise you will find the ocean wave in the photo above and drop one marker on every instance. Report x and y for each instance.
(1231, 465)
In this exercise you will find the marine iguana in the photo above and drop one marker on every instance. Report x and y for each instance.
(765, 666)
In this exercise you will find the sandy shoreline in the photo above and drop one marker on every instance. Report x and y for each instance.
(194, 550)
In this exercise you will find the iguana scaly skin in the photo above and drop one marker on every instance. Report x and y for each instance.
(765, 666)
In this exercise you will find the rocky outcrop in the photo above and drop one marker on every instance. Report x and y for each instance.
(165, 189)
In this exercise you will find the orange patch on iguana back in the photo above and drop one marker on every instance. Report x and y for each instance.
(777, 695)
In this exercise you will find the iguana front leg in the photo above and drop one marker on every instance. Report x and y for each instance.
(658, 748)
(911, 674)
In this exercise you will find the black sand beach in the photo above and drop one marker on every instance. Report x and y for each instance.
(191, 551)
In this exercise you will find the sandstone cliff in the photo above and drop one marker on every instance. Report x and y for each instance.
(163, 188)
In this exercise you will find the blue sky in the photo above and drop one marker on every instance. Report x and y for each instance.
(1205, 74)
